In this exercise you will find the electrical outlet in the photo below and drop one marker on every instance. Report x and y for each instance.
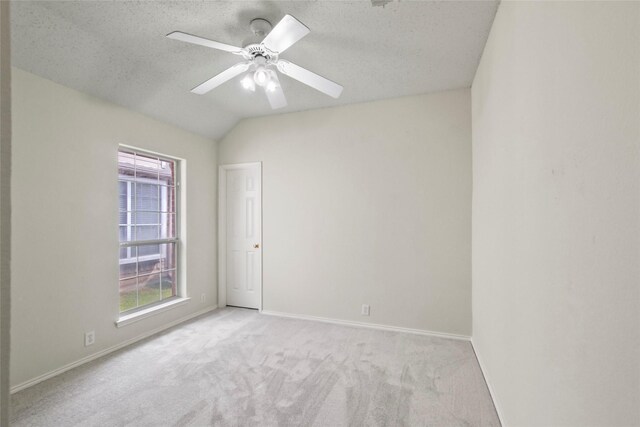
(89, 338)
(365, 310)
(203, 297)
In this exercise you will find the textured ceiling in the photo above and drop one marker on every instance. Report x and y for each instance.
(117, 51)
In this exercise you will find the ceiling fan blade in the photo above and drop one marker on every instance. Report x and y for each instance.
(178, 35)
(275, 95)
(309, 78)
(217, 80)
(286, 32)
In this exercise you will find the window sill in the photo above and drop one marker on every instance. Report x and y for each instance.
(151, 311)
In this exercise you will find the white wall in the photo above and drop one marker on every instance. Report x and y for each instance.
(5, 209)
(368, 203)
(65, 240)
(556, 213)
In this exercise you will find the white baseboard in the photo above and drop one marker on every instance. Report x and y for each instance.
(489, 386)
(368, 325)
(106, 351)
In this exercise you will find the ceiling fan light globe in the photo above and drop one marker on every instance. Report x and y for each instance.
(248, 83)
(272, 86)
(261, 77)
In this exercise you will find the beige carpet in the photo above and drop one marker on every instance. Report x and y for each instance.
(235, 367)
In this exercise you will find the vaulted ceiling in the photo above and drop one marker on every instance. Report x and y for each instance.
(118, 51)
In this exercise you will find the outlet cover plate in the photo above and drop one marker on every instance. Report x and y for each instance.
(89, 338)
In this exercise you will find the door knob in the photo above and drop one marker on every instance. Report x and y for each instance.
(257, 246)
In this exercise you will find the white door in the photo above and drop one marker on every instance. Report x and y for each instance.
(241, 197)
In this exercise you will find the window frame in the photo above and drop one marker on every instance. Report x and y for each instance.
(139, 312)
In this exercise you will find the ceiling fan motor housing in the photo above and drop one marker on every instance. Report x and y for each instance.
(259, 53)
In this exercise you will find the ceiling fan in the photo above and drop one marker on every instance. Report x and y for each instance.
(262, 59)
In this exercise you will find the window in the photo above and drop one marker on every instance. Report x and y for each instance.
(149, 238)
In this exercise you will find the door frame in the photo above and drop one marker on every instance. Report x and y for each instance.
(222, 230)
